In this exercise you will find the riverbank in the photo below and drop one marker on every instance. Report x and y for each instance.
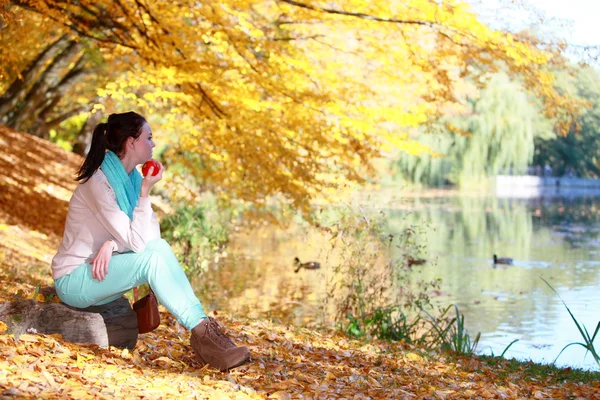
(528, 187)
(287, 362)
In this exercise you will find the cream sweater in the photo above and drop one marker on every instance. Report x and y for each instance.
(94, 217)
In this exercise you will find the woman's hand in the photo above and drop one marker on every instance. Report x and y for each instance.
(150, 180)
(102, 260)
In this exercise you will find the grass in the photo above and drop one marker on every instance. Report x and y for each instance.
(548, 373)
(387, 299)
(588, 341)
(451, 333)
(386, 323)
(505, 349)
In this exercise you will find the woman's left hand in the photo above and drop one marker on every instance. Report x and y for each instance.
(101, 260)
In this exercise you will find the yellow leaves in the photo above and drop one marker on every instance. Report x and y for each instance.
(329, 376)
(280, 395)
(286, 362)
(50, 379)
(126, 355)
(29, 338)
(413, 357)
(82, 359)
(220, 74)
(253, 105)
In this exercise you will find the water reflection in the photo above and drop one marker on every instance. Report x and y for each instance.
(257, 279)
(556, 239)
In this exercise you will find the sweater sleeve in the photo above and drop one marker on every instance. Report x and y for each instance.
(128, 234)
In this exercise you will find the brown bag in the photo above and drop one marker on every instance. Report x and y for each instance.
(147, 311)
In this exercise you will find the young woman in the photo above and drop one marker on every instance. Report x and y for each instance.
(112, 239)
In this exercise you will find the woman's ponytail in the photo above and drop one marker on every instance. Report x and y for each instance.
(95, 156)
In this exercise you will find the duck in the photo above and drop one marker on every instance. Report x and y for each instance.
(502, 260)
(307, 265)
(415, 261)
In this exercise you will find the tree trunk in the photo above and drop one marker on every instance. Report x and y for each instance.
(29, 109)
(113, 324)
(43, 123)
(84, 139)
(20, 87)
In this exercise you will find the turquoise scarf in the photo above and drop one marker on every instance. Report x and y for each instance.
(126, 187)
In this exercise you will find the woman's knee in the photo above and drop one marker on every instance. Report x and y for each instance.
(158, 244)
(161, 256)
(161, 252)
(155, 254)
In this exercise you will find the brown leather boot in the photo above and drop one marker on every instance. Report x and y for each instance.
(216, 349)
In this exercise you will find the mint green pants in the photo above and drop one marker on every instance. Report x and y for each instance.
(156, 265)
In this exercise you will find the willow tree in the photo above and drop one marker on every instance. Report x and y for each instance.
(503, 127)
(294, 97)
(496, 135)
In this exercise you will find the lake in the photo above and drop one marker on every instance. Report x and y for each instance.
(555, 238)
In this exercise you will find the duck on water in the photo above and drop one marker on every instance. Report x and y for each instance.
(307, 265)
(503, 260)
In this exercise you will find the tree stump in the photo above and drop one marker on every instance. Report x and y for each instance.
(113, 324)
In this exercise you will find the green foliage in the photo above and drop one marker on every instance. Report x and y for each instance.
(548, 373)
(372, 295)
(66, 134)
(387, 299)
(427, 169)
(384, 323)
(451, 334)
(500, 131)
(505, 349)
(197, 234)
(588, 341)
(577, 151)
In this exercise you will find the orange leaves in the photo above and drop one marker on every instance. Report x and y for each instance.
(293, 98)
(34, 179)
(286, 363)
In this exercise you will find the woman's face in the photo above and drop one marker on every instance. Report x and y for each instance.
(143, 145)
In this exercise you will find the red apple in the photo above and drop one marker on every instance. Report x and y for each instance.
(148, 164)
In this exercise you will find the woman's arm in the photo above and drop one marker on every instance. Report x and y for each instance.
(128, 234)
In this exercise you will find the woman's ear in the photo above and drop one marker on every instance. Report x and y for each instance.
(128, 145)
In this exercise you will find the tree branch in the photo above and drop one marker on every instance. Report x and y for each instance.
(357, 15)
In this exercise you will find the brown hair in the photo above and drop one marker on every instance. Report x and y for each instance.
(110, 135)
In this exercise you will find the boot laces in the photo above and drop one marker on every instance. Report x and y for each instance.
(214, 331)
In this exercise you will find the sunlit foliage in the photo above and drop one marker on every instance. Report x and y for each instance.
(291, 97)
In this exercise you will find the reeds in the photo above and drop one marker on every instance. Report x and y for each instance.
(588, 341)
(451, 334)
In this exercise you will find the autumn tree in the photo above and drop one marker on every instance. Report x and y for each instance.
(293, 97)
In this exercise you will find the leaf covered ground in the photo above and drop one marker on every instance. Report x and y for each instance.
(287, 362)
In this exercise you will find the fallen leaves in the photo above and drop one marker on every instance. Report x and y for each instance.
(286, 363)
